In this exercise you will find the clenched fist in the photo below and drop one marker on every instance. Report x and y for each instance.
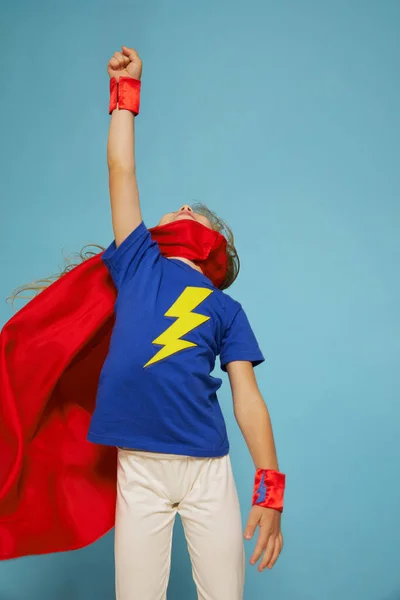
(125, 64)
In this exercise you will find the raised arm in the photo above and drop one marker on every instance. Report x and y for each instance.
(124, 193)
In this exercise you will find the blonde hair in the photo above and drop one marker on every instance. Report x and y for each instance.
(30, 290)
(222, 227)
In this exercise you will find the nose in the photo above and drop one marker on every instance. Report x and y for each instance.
(186, 207)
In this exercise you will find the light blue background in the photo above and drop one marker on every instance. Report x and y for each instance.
(284, 118)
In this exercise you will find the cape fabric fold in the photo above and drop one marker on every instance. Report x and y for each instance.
(57, 490)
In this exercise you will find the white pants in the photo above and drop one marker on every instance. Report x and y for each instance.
(152, 488)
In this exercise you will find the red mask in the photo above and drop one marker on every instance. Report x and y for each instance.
(190, 239)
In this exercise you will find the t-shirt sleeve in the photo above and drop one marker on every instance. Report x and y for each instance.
(138, 248)
(239, 341)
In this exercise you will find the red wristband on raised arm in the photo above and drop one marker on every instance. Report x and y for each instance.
(269, 488)
(125, 94)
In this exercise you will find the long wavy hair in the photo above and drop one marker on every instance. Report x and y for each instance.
(30, 290)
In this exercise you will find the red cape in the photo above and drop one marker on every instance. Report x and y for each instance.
(57, 490)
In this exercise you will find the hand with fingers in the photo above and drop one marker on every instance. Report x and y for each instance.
(270, 539)
(126, 63)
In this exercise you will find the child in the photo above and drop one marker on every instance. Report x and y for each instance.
(156, 399)
(156, 415)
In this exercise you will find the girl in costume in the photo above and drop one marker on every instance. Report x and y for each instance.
(156, 415)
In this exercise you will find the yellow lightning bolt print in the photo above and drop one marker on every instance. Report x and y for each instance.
(186, 321)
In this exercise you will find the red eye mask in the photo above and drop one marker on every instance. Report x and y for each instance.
(190, 239)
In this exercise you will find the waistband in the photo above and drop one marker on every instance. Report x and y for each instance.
(158, 455)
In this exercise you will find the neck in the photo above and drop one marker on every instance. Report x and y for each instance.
(188, 262)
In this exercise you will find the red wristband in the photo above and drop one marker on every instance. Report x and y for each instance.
(125, 94)
(269, 488)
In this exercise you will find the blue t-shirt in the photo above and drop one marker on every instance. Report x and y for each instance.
(156, 391)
